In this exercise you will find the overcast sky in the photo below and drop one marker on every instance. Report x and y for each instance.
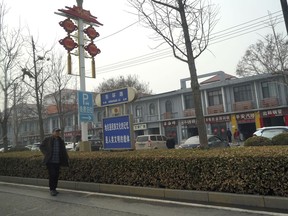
(126, 47)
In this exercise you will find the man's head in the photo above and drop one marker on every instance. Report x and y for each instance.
(56, 131)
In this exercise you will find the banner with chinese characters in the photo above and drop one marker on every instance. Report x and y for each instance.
(245, 117)
(186, 122)
(215, 119)
(172, 123)
(271, 113)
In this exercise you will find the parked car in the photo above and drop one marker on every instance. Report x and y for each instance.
(28, 147)
(270, 132)
(2, 148)
(70, 146)
(152, 141)
(35, 146)
(96, 144)
(213, 142)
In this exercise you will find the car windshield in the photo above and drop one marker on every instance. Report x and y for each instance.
(142, 139)
(272, 132)
(192, 141)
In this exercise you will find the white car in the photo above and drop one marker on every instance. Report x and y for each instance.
(213, 142)
(35, 146)
(8, 148)
(70, 146)
(270, 132)
(152, 141)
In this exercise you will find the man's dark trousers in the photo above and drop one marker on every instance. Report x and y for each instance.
(53, 172)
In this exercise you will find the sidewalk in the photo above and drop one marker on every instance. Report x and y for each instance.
(203, 197)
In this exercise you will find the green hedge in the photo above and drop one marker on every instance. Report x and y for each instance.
(258, 141)
(242, 170)
(280, 139)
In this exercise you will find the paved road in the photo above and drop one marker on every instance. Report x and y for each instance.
(27, 200)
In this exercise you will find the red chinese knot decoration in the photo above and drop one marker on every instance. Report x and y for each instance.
(92, 49)
(68, 43)
(68, 25)
(91, 32)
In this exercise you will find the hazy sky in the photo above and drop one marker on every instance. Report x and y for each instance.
(127, 49)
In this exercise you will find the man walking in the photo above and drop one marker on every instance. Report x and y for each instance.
(55, 155)
(229, 136)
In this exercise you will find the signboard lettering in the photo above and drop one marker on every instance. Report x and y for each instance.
(117, 133)
(85, 106)
(114, 97)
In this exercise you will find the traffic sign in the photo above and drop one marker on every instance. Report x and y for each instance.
(85, 106)
(119, 96)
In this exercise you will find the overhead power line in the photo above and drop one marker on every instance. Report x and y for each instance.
(218, 37)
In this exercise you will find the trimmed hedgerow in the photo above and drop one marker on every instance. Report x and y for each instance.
(280, 139)
(261, 170)
(258, 141)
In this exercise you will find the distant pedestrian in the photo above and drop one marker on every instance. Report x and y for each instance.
(229, 135)
(237, 137)
(170, 143)
(55, 155)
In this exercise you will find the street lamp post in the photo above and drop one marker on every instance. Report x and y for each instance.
(84, 125)
(83, 17)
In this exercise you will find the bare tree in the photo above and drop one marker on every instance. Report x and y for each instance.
(269, 55)
(11, 43)
(63, 98)
(122, 82)
(185, 25)
(19, 110)
(35, 75)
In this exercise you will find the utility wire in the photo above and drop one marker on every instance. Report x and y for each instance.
(167, 52)
(155, 56)
(232, 32)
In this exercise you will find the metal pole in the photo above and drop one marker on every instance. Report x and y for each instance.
(285, 12)
(80, 3)
(84, 125)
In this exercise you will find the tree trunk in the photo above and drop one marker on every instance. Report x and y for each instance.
(38, 102)
(194, 80)
(4, 134)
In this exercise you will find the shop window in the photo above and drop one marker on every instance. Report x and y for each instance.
(219, 129)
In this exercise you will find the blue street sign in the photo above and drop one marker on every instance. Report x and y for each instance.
(114, 97)
(85, 106)
(117, 133)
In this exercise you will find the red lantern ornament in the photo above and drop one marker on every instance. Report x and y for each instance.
(68, 43)
(68, 25)
(92, 49)
(91, 32)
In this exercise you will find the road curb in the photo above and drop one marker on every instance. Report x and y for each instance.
(250, 201)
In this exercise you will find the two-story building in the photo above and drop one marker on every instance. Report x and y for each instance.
(227, 101)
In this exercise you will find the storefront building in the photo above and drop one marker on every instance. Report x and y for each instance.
(228, 102)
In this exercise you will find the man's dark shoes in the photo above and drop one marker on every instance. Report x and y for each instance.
(53, 192)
